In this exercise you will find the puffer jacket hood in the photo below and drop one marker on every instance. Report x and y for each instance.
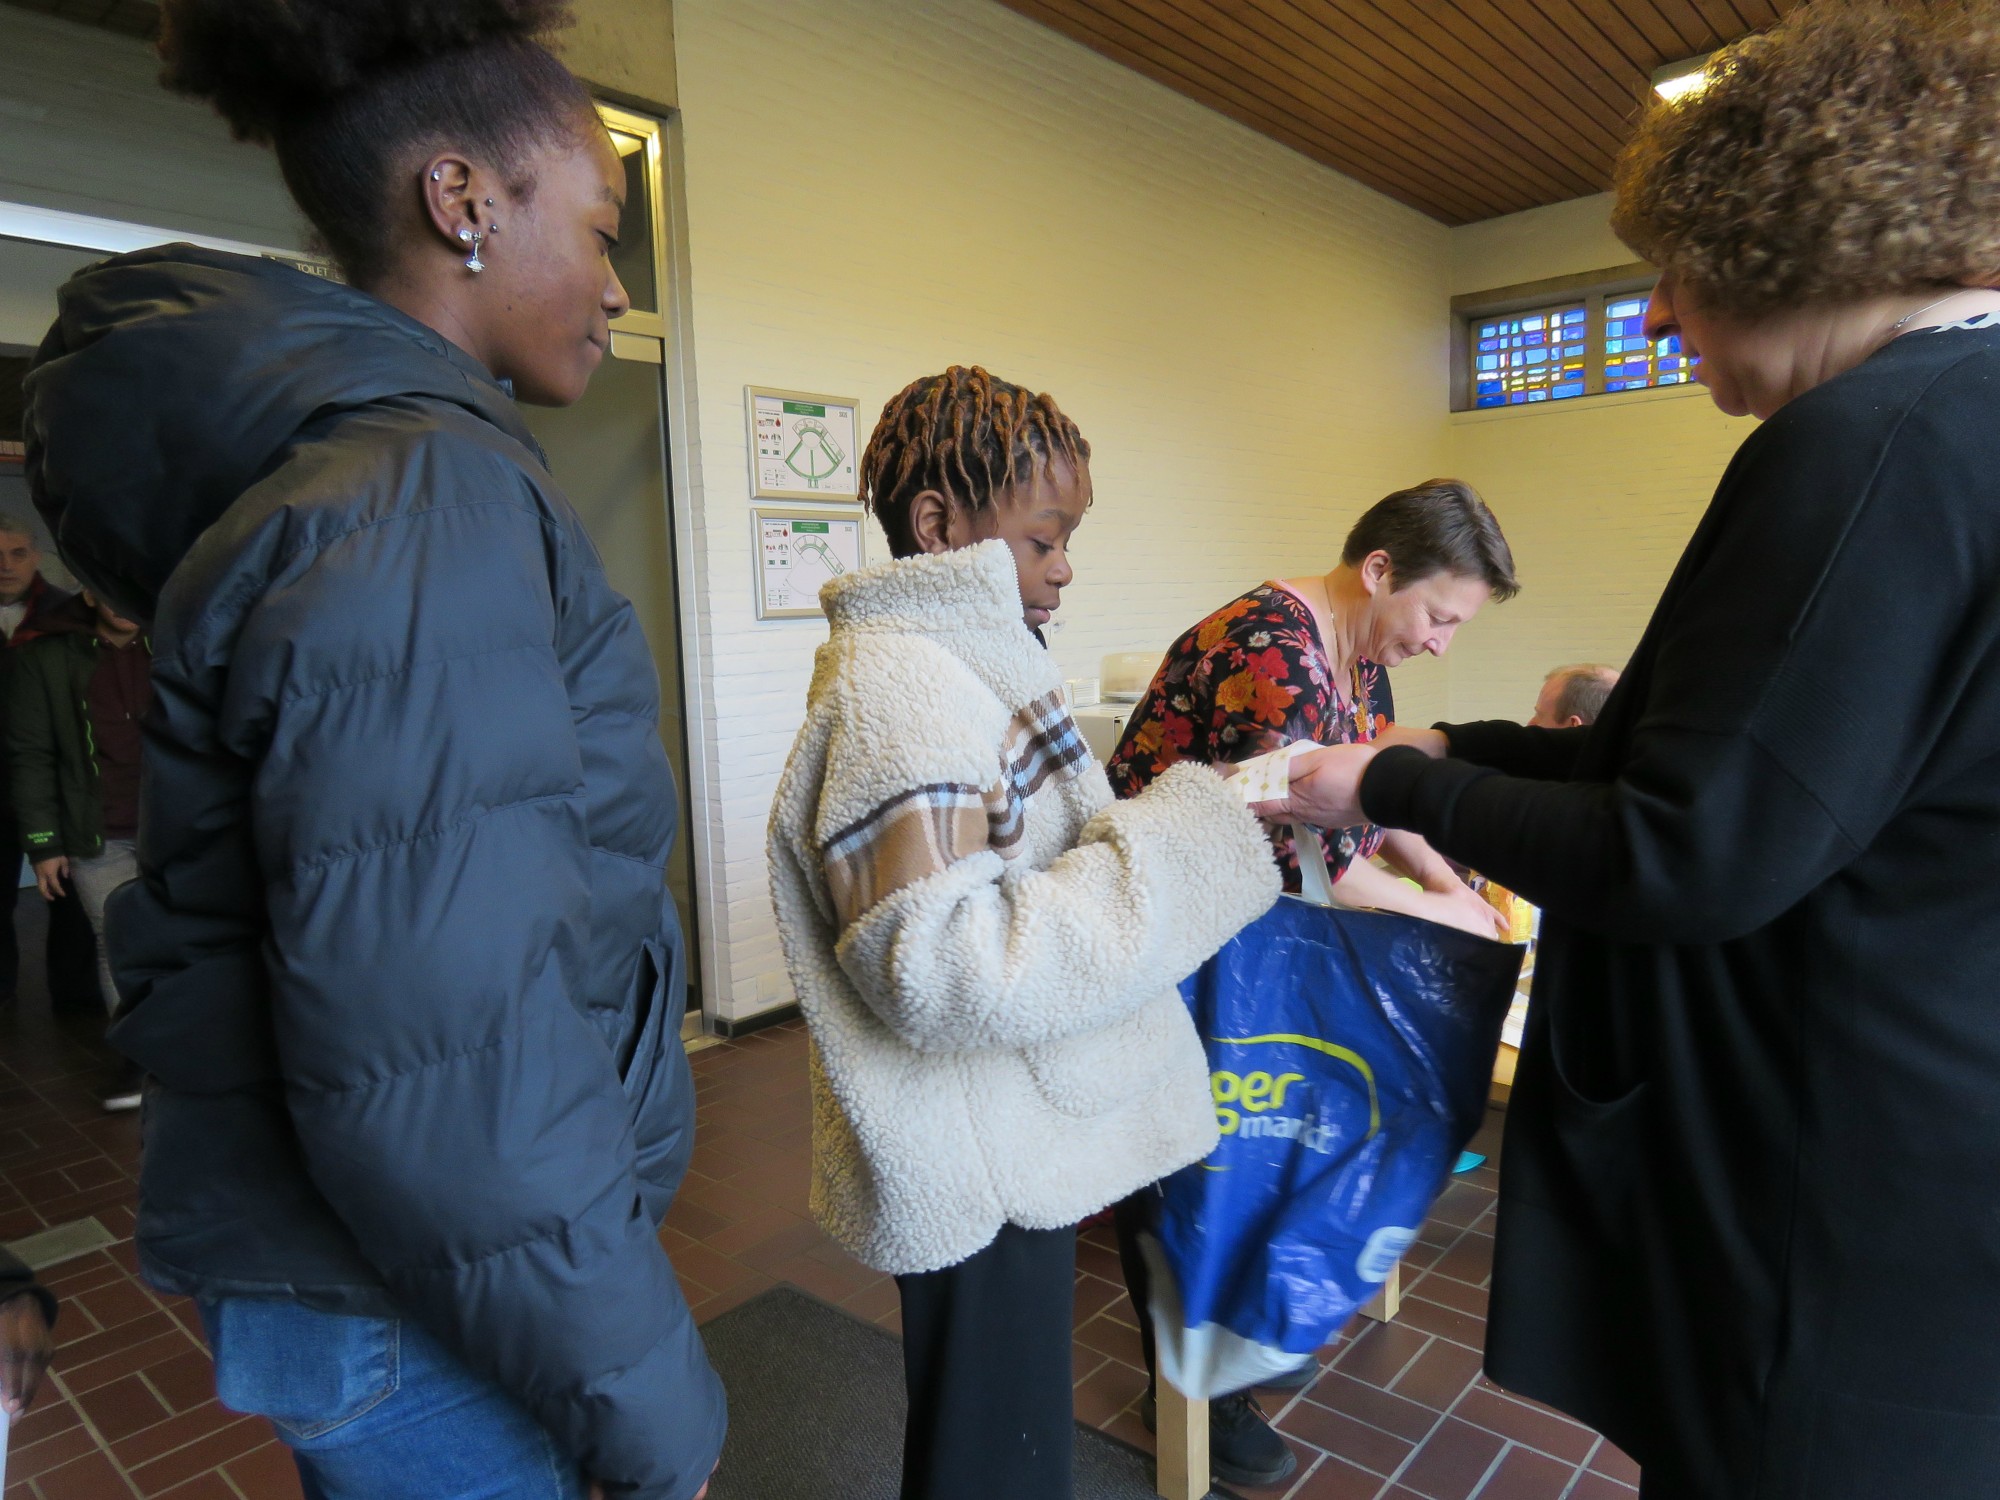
(174, 377)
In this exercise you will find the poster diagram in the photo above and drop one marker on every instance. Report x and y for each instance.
(802, 445)
(798, 554)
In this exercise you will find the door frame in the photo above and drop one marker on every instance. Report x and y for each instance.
(673, 326)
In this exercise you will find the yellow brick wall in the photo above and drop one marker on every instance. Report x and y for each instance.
(1254, 345)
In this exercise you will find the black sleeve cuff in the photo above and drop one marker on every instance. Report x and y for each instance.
(1481, 742)
(1389, 784)
(1405, 788)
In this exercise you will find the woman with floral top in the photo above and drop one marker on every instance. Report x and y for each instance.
(1308, 659)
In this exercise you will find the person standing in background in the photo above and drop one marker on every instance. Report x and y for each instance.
(75, 700)
(21, 581)
(68, 952)
(1573, 697)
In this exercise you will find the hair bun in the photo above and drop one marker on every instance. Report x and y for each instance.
(262, 63)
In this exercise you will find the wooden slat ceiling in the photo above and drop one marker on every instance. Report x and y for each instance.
(1463, 109)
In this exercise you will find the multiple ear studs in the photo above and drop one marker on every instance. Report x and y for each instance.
(471, 238)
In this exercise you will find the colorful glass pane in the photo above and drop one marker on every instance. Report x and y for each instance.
(1631, 361)
(1530, 356)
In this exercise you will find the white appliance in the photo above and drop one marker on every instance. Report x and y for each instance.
(1102, 724)
(1125, 675)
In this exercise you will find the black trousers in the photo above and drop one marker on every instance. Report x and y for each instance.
(986, 1356)
(70, 952)
(1129, 1216)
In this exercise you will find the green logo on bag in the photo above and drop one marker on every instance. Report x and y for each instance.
(1246, 1103)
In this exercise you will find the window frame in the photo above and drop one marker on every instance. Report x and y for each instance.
(1592, 288)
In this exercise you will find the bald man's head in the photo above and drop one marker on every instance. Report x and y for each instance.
(1572, 696)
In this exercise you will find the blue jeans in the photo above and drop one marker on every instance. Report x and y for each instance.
(376, 1409)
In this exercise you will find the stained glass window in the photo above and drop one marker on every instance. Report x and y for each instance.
(1631, 360)
(1529, 356)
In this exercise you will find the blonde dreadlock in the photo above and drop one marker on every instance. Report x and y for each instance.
(966, 435)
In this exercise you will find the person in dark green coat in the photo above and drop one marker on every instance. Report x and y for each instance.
(76, 697)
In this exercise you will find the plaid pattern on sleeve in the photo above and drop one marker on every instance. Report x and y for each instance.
(913, 835)
(928, 829)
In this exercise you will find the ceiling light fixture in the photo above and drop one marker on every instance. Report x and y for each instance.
(1677, 79)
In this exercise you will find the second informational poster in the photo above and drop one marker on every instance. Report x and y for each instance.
(798, 553)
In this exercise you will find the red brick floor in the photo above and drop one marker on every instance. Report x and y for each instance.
(1399, 1413)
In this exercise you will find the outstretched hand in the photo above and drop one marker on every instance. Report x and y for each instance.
(1325, 789)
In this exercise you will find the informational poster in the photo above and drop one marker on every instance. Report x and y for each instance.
(802, 446)
(799, 552)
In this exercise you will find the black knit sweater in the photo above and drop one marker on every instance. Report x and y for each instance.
(1750, 1220)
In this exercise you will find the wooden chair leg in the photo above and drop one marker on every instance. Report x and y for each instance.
(1182, 1471)
(1384, 1304)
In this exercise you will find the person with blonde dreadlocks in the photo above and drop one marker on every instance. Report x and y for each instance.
(985, 945)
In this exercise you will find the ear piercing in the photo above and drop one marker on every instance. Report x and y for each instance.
(473, 238)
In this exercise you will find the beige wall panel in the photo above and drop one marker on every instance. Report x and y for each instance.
(1564, 239)
(625, 48)
(86, 127)
(1598, 497)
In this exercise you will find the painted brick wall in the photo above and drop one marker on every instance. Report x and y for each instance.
(1254, 345)
(1597, 497)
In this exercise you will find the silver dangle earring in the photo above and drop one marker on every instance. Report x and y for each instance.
(473, 238)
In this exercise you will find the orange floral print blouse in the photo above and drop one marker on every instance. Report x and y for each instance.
(1250, 678)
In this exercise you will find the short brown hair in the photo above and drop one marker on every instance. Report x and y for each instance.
(1584, 690)
(1852, 151)
(966, 434)
(1439, 526)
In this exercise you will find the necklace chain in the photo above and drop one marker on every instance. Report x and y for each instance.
(1896, 328)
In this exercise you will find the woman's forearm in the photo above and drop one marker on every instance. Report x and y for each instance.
(1367, 887)
(1409, 854)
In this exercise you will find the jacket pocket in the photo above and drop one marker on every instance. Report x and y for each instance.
(308, 1372)
(654, 1070)
(1092, 1074)
(1570, 1137)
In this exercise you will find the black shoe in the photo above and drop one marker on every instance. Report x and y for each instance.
(1243, 1447)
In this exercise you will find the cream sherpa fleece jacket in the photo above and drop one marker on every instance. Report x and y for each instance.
(985, 946)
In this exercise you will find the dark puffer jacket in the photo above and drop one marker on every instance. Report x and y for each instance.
(402, 959)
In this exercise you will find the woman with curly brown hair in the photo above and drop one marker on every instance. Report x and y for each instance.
(1749, 1223)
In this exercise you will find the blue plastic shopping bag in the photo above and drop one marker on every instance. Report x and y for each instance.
(1350, 1057)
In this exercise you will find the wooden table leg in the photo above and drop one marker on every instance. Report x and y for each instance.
(1182, 1471)
(1384, 1304)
